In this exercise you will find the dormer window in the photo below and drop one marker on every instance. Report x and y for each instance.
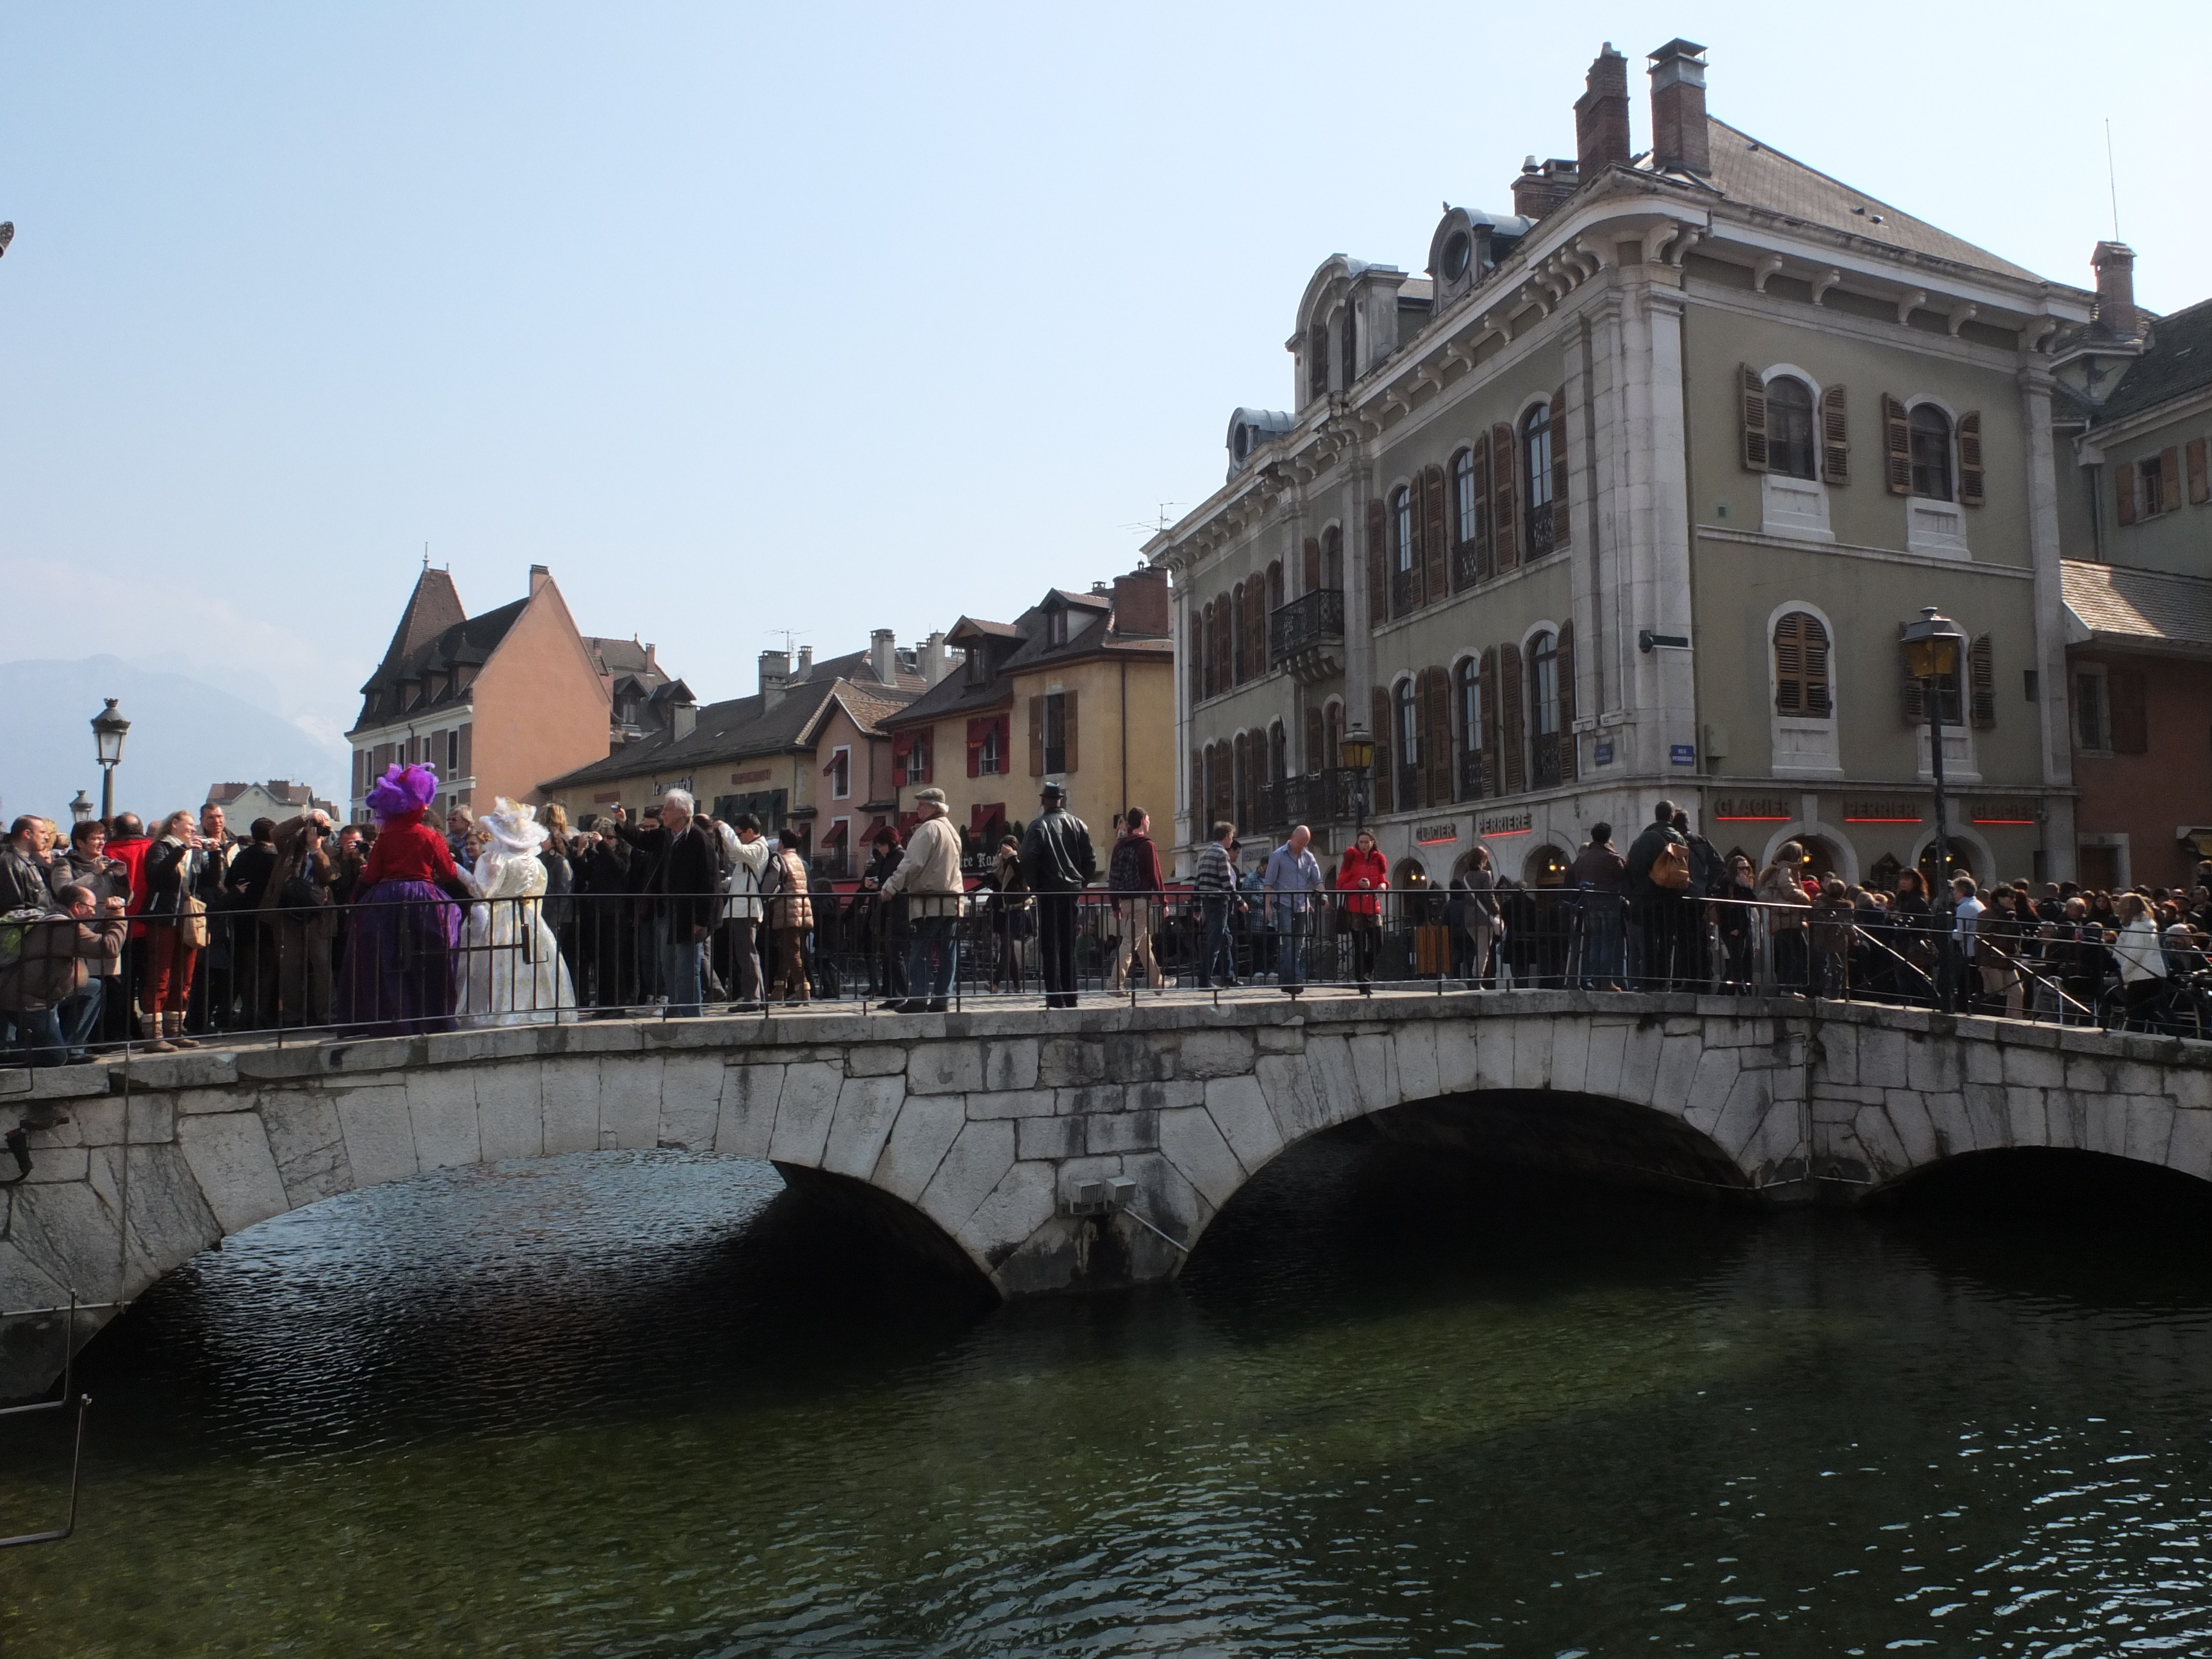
(979, 666)
(1055, 627)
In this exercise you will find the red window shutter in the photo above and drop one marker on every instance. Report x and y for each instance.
(975, 731)
(2169, 480)
(1752, 403)
(1512, 688)
(902, 746)
(2200, 489)
(1835, 437)
(1379, 707)
(1570, 746)
(1970, 458)
(1437, 551)
(1504, 514)
(1897, 435)
(1378, 565)
(1562, 520)
(2124, 490)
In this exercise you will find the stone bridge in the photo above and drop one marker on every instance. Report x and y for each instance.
(966, 1134)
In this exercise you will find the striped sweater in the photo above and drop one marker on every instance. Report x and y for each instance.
(1214, 875)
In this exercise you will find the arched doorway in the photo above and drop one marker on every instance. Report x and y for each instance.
(1547, 866)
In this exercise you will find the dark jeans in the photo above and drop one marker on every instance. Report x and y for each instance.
(1056, 948)
(681, 961)
(938, 937)
(1366, 943)
(48, 1037)
(1217, 947)
(1792, 961)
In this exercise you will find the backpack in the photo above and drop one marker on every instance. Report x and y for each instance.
(15, 931)
(1122, 871)
(1671, 868)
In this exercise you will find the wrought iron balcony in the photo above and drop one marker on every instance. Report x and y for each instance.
(1305, 633)
(1327, 797)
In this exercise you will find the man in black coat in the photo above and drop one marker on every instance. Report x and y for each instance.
(1657, 909)
(680, 886)
(1058, 863)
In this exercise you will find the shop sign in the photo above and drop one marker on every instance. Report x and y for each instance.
(1507, 824)
(1881, 809)
(1752, 809)
(2001, 811)
(1435, 834)
(761, 776)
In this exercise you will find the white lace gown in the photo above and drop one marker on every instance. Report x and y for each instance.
(511, 971)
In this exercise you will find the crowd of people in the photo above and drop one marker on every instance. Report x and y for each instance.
(160, 936)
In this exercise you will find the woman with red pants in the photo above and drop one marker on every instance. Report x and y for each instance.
(175, 931)
(1361, 877)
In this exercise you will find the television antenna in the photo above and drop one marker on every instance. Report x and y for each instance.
(1162, 525)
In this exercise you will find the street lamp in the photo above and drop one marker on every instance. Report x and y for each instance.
(80, 809)
(1932, 647)
(108, 730)
(1356, 752)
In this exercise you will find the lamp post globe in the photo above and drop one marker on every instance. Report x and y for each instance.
(81, 808)
(109, 728)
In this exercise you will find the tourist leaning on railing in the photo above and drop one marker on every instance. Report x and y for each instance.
(47, 987)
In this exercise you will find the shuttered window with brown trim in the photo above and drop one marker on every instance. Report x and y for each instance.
(1239, 634)
(1036, 737)
(1570, 746)
(1561, 520)
(1801, 667)
(1194, 645)
(1436, 549)
(1435, 735)
(1378, 706)
(1481, 559)
(1378, 564)
(1503, 533)
(1982, 684)
(2169, 480)
(2124, 491)
(1312, 564)
(1835, 437)
(1317, 756)
(2130, 713)
(1513, 725)
(1970, 458)
(1897, 441)
(1067, 731)
(1494, 745)
(1752, 407)
(2200, 488)
(1195, 801)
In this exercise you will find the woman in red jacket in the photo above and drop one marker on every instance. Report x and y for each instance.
(1361, 877)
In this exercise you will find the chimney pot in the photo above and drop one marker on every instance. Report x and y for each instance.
(883, 655)
(1679, 140)
(2114, 265)
(539, 576)
(932, 658)
(1140, 602)
(805, 661)
(1602, 113)
(1538, 190)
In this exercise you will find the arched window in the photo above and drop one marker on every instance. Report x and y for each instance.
(1405, 741)
(1332, 558)
(1317, 361)
(1239, 631)
(1347, 332)
(1536, 471)
(1544, 705)
(1332, 738)
(1279, 753)
(1800, 668)
(1275, 585)
(1467, 502)
(1466, 697)
(1401, 530)
(1931, 453)
(1789, 440)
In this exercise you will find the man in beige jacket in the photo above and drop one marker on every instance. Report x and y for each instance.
(930, 880)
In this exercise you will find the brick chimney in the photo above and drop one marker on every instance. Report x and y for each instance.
(1602, 113)
(539, 576)
(932, 656)
(1140, 602)
(1680, 142)
(883, 655)
(2115, 263)
(1541, 189)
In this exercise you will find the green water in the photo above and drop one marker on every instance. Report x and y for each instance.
(644, 1405)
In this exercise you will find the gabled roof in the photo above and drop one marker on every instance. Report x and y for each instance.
(2145, 608)
(468, 641)
(2176, 361)
(1091, 633)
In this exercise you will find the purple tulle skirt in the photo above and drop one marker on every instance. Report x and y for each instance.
(399, 978)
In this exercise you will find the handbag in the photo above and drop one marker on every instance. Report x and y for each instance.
(191, 921)
(298, 893)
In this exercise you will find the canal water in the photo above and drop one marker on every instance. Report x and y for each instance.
(647, 1405)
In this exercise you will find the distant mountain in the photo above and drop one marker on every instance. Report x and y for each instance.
(185, 735)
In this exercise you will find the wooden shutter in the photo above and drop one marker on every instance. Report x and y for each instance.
(1197, 796)
(1752, 403)
(2130, 719)
(1036, 737)
(1897, 434)
(1067, 731)
(468, 749)
(1982, 684)
(1438, 518)
(1801, 667)
(926, 746)
(1835, 437)
(2169, 480)
(1561, 520)
(1970, 458)
(1492, 740)
(1379, 707)
(1435, 738)
(1513, 725)
(1570, 746)
(975, 733)
(1312, 564)
(2124, 477)
(1818, 702)
(1913, 702)
(2200, 488)
(1502, 469)
(1481, 527)
(1317, 758)
(1378, 568)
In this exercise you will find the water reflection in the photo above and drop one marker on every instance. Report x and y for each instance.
(644, 1405)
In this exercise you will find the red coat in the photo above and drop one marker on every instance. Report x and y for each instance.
(131, 853)
(1358, 866)
(407, 849)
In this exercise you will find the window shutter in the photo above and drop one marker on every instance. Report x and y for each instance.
(1897, 432)
(1196, 798)
(1982, 684)
(2169, 480)
(1438, 557)
(1835, 437)
(1482, 549)
(1435, 738)
(1913, 705)
(1789, 665)
(1755, 420)
(1493, 743)
(1561, 520)
(2130, 719)
(1512, 686)
(1379, 707)
(2124, 490)
(926, 746)
(1036, 737)
(1570, 746)
(1378, 568)
(2200, 489)
(1315, 759)
(902, 746)
(1970, 458)
(1815, 639)
(1257, 610)
(1502, 513)
(975, 730)
(1067, 729)
(468, 749)
(1418, 527)
(1312, 564)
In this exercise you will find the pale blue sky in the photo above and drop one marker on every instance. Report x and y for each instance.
(744, 319)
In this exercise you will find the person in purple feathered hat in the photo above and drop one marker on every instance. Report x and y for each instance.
(399, 978)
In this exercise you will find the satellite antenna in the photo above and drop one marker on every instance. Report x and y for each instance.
(2112, 178)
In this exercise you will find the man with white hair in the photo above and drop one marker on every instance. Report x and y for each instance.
(678, 888)
(929, 876)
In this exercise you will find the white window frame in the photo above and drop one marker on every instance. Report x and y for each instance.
(841, 771)
(1933, 527)
(1796, 507)
(1810, 746)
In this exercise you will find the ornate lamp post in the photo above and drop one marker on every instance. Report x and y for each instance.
(108, 730)
(1932, 647)
(1357, 753)
(81, 808)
